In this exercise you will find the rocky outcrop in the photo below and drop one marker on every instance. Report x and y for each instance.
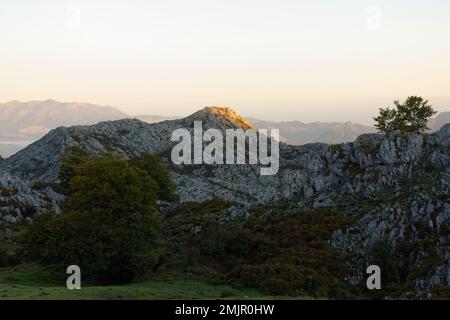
(369, 164)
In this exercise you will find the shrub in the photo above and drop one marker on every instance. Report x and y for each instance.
(335, 147)
(275, 286)
(245, 276)
(8, 260)
(228, 243)
(3, 258)
(7, 192)
(280, 254)
(383, 256)
(38, 185)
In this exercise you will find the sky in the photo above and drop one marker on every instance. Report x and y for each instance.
(322, 60)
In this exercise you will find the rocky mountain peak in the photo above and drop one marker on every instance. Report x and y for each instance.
(40, 160)
(220, 116)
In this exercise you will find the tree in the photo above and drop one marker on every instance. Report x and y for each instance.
(409, 116)
(109, 226)
(72, 157)
(153, 166)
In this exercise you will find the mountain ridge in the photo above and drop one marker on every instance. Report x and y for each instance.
(24, 122)
(38, 162)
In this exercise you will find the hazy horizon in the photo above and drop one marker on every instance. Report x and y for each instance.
(244, 115)
(274, 60)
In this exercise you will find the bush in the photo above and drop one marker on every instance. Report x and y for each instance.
(38, 185)
(275, 286)
(280, 254)
(245, 276)
(7, 192)
(8, 260)
(383, 256)
(3, 258)
(228, 243)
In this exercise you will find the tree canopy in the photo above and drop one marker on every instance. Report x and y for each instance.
(410, 116)
(109, 226)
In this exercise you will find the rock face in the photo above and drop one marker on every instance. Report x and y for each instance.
(395, 188)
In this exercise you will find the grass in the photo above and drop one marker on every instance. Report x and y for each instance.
(32, 282)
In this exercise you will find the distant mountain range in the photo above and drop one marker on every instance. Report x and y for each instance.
(24, 122)
(32, 120)
(299, 133)
(154, 118)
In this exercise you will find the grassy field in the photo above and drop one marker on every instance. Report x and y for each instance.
(34, 282)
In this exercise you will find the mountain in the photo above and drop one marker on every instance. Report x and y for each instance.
(21, 123)
(394, 191)
(154, 118)
(24, 122)
(302, 171)
(439, 121)
(299, 133)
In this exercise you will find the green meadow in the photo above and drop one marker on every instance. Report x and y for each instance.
(32, 282)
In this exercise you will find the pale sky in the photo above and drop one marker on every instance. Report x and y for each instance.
(318, 60)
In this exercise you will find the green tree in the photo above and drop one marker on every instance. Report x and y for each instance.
(109, 226)
(72, 157)
(410, 116)
(153, 166)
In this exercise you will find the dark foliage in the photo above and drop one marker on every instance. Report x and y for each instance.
(280, 254)
(109, 226)
(72, 157)
(153, 166)
(409, 116)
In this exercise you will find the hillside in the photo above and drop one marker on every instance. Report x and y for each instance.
(394, 189)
